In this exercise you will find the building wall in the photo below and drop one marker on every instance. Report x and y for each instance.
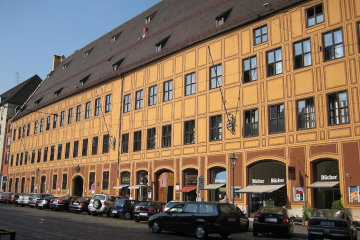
(295, 148)
(95, 126)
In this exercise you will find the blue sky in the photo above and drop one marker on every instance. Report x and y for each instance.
(32, 31)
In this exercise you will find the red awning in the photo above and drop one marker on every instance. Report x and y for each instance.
(187, 189)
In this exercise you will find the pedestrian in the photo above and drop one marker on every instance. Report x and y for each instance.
(225, 199)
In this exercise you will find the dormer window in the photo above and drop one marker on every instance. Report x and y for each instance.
(66, 65)
(221, 18)
(115, 37)
(57, 93)
(149, 18)
(87, 53)
(38, 101)
(159, 46)
(117, 64)
(109, 59)
(83, 81)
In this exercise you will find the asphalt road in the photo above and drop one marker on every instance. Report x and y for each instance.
(32, 223)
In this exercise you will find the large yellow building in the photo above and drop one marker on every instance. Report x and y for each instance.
(168, 97)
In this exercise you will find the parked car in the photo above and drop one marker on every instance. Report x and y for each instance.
(169, 205)
(61, 203)
(333, 224)
(273, 220)
(101, 203)
(13, 199)
(145, 209)
(44, 203)
(80, 205)
(201, 219)
(123, 208)
(4, 197)
(24, 199)
(34, 197)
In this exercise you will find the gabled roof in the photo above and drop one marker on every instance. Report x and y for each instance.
(20, 93)
(185, 22)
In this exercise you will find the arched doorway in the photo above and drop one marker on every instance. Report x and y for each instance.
(266, 184)
(325, 183)
(217, 184)
(78, 184)
(164, 186)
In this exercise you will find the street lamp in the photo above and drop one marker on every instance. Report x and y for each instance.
(233, 160)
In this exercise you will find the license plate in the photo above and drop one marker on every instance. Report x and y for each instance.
(143, 214)
(114, 211)
(327, 224)
(231, 219)
(76, 203)
(274, 220)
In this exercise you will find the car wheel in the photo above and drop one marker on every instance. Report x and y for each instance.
(127, 216)
(155, 227)
(200, 232)
(137, 220)
(108, 214)
(255, 233)
(224, 235)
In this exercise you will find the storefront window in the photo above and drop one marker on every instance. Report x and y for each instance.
(190, 179)
(218, 176)
(267, 185)
(142, 179)
(125, 179)
(325, 183)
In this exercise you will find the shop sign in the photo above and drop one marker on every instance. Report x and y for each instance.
(125, 178)
(93, 186)
(190, 179)
(267, 172)
(328, 178)
(299, 194)
(277, 180)
(354, 194)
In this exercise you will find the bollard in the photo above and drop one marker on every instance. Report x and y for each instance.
(6, 232)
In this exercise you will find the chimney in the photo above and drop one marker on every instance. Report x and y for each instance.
(56, 60)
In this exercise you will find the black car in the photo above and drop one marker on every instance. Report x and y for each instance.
(332, 224)
(44, 203)
(274, 220)
(80, 205)
(123, 208)
(145, 209)
(61, 203)
(201, 219)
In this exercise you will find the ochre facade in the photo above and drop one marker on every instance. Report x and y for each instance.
(299, 151)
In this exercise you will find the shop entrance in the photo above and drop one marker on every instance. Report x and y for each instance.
(78, 185)
(164, 186)
(325, 183)
(266, 185)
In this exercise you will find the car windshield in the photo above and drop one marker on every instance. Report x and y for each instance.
(120, 202)
(171, 204)
(329, 213)
(279, 211)
(100, 197)
(83, 199)
(144, 204)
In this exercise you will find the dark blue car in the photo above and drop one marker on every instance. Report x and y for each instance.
(123, 208)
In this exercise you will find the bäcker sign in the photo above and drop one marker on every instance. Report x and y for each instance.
(267, 173)
(328, 178)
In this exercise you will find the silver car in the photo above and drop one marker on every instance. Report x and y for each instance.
(101, 204)
(34, 197)
(24, 199)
